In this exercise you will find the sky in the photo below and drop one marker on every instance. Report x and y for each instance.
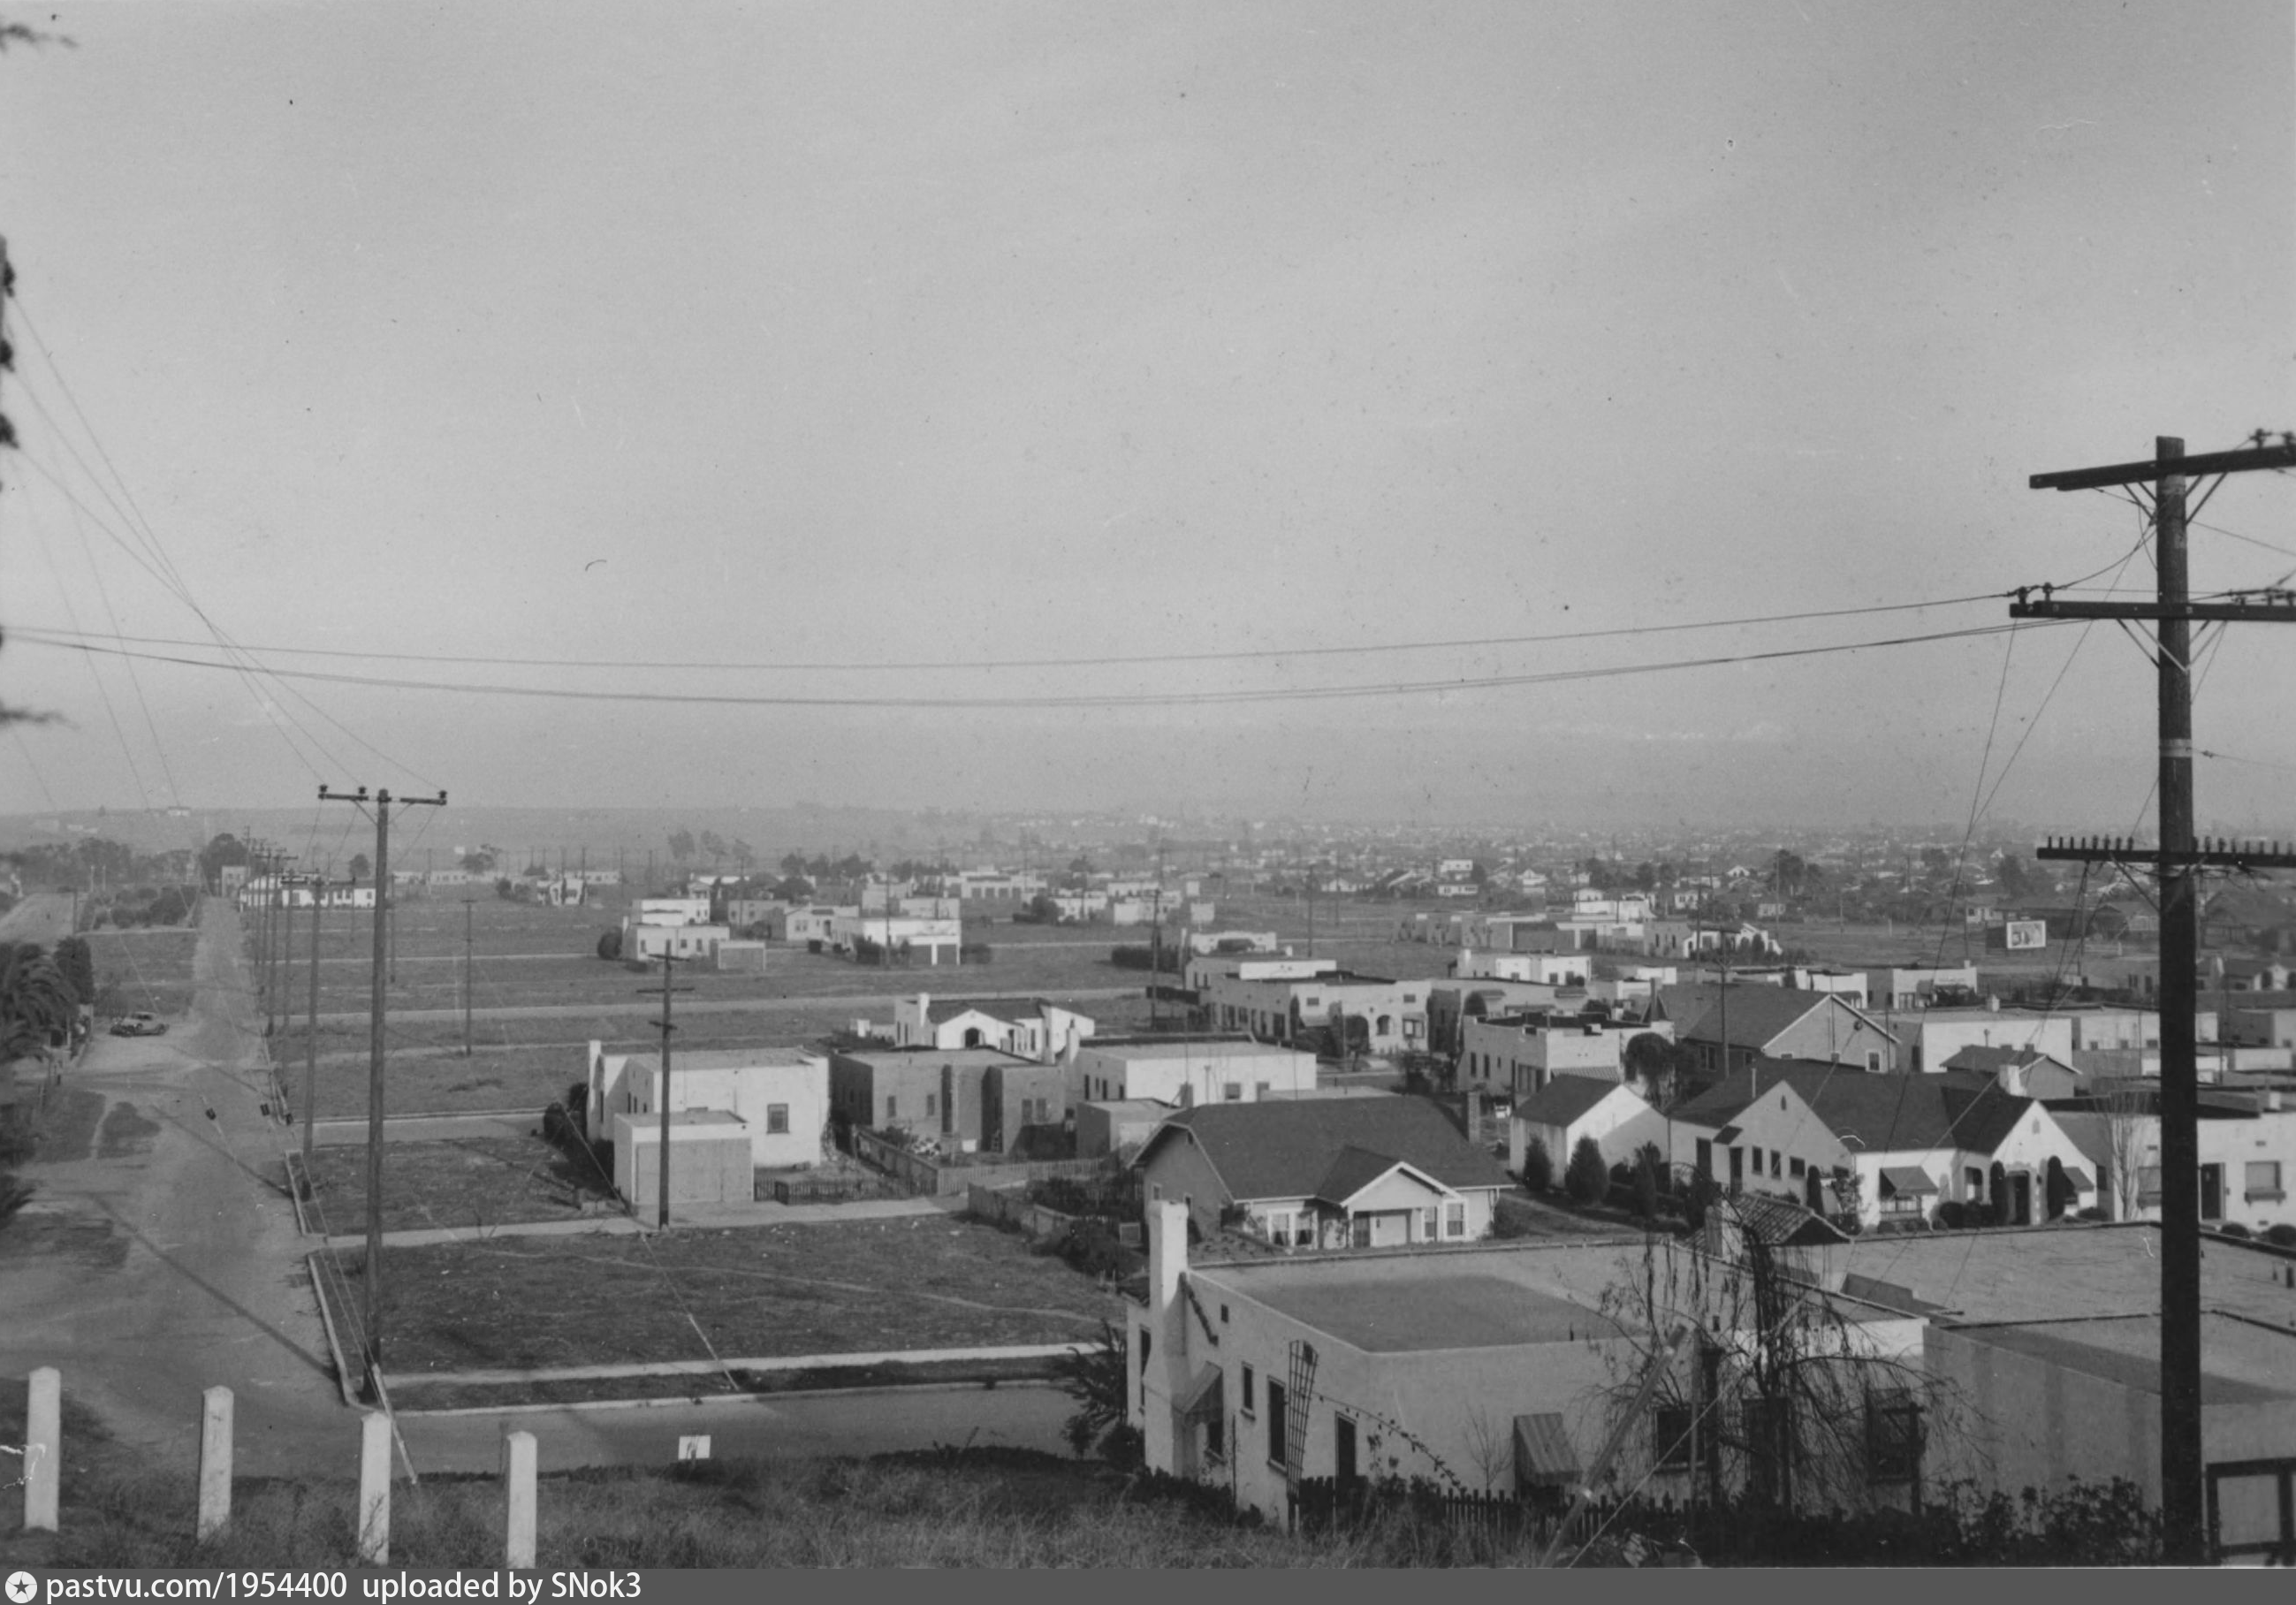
(654, 358)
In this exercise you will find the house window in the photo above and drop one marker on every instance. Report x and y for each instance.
(1275, 1423)
(2263, 1180)
(1232, 1091)
(1872, 1063)
(892, 1109)
(1670, 1436)
(1794, 1168)
(1261, 1088)
(1244, 1394)
(777, 1120)
(1773, 1164)
(1427, 1224)
(1455, 1220)
(1705, 1157)
(2148, 1186)
(1893, 1437)
(1758, 1161)
(1973, 1184)
(929, 1101)
(1147, 1341)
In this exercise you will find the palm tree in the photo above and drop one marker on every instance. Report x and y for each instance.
(36, 1003)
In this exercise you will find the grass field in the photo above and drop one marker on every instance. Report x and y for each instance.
(143, 969)
(469, 1182)
(525, 955)
(927, 1281)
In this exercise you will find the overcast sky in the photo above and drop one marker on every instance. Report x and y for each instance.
(872, 335)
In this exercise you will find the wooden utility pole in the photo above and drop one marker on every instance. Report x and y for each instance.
(2176, 860)
(467, 903)
(662, 1098)
(311, 1032)
(378, 992)
(286, 948)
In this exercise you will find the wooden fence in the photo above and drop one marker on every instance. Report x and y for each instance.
(1484, 1525)
(929, 1177)
(1010, 1205)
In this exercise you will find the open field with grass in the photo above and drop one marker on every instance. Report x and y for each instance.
(927, 1281)
(467, 1182)
(525, 956)
(149, 969)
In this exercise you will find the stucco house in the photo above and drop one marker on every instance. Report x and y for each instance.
(1619, 1119)
(1325, 1172)
(780, 1096)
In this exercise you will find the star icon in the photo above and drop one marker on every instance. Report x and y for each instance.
(21, 1586)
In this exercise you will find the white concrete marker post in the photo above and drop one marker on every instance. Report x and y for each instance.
(43, 1448)
(693, 1448)
(215, 1462)
(518, 1487)
(374, 1490)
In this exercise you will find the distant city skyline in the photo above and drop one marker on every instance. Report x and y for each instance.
(1343, 409)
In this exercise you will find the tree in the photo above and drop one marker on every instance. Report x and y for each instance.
(480, 861)
(360, 867)
(1653, 1067)
(1646, 1164)
(1588, 1179)
(744, 855)
(610, 945)
(77, 963)
(223, 850)
(2012, 874)
(2130, 1130)
(713, 847)
(1099, 1379)
(681, 844)
(794, 865)
(36, 1001)
(1537, 1166)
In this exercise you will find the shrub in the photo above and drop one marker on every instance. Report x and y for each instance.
(1132, 958)
(2282, 1236)
(2090, 1214)
(610, 945)
(974, 953)
(1645, 1188)
(1537, 1166)
(2235, 1229)
(1587, 1179)
(1952, 1216)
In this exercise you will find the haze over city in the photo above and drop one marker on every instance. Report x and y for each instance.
(1060, 378)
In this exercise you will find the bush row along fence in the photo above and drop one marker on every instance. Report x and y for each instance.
(929, 1177)
(840, 1189)
(1009, 1206)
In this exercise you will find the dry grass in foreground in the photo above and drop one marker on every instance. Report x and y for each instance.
(947, 1508)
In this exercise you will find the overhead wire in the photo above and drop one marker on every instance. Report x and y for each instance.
(1119, 699)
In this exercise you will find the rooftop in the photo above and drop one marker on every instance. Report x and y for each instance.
(2241, 1364)
(1187, 1047)
(2063, 1273)
(1431, 1301)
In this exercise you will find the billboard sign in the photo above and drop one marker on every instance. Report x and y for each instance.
(2027, 934)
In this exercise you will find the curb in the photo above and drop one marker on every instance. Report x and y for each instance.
(711, 1368)
(731, 1398)
(327, 1320)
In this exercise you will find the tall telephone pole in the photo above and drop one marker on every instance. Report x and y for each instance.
(2178, 859)
(661, 1167)
(374, 1267)
(311, 1030)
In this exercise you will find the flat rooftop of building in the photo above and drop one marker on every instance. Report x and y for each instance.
(1427, 1300)
(2242, 1363)
(2061, 1273)
(1188, 1047)
(1131, 1108)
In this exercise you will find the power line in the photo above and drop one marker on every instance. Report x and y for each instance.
(989, 664)
(1137, 699)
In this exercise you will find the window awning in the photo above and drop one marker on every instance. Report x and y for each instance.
(1543, 1454)
(1206, 1399)
(1902, 1180)
(2079, 1179)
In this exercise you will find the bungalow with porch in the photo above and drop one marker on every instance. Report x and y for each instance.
(1326, 1173)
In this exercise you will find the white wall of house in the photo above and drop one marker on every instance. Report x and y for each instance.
(1620, 1124)
(1204, 1074)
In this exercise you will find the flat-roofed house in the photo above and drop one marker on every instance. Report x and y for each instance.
(780, 1096)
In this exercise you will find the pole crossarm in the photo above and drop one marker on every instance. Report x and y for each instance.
(2280, 608)
(2212, 854)
(2282, 456)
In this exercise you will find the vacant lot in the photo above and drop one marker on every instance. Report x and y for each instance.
(923, 1282)
(471, 1182)
(143, 969)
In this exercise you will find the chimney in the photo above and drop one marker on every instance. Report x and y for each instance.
(1168, 1258)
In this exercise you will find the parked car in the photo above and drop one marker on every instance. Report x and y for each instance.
(142, 1023)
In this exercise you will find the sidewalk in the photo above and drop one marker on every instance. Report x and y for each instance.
(690, 1215)
(710, 1368)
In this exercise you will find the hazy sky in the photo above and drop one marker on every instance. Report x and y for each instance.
(872, 335)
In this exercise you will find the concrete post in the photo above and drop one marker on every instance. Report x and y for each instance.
(518, 1488)
(374, 1490)
(215, 1462)
(693, 1448)
(44, 1446)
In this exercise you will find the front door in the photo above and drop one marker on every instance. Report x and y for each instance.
(1737, 1167)
(1359, 1230)
(2212, 1192)
(2021, 1198)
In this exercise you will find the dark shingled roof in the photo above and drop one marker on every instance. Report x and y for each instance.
(1354, 1170)
(1563, 1100)
(1759, 1014)
(1884, 1113)
(1289, 1148)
